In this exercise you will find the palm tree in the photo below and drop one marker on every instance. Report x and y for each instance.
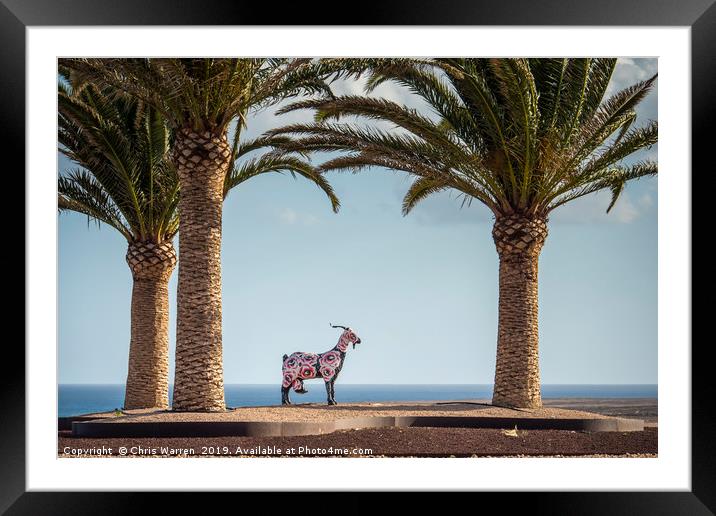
(200, 98)
(522, 136)
(127, 182)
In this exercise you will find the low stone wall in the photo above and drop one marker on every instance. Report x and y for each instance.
(106, 428)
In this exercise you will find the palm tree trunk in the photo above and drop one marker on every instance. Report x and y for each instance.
(148, 371)
(202, 162)
(517, 380)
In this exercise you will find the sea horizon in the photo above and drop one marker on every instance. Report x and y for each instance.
(273, 384)
(84, 398)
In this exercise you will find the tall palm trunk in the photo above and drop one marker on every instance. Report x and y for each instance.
(202, 162)
(519, 241)
(148, 372)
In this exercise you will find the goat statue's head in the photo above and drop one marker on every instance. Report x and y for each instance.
(348, 334)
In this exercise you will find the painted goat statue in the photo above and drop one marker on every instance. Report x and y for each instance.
(300, 366)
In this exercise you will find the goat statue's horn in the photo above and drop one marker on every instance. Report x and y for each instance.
(337, 326)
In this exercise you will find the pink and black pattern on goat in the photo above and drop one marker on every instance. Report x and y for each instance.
(300, 366)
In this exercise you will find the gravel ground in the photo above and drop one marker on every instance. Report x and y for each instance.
(322, 412)
(646, 409)
(382, 442)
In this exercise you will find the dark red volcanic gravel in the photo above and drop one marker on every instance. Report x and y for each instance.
(391, 442)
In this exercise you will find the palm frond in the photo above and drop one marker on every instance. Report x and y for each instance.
(80, 192)
(206, 94)
(422, 188)
(519, 94)
(281, 164)
(122, 147)
(613, 179)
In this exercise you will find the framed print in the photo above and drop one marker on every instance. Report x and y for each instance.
(462, 103)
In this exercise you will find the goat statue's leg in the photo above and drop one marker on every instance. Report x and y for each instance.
(298, 386)
(330, 389)
(284, 395)
(329, 396)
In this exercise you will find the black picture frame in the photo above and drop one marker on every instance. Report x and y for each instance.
(17, 15)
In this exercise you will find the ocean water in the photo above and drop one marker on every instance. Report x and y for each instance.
(83, 399)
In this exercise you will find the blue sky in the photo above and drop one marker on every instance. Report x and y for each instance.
(420, 291)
